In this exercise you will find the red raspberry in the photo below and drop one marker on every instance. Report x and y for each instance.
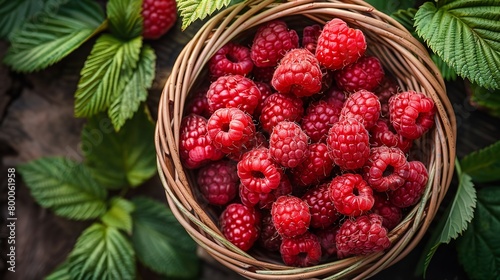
(218, 182)
(391, 214)
(288, 144)
(240, 225)
(327, 238)
(231, 59)
(335, 97)
(366, 73)
(291, 216)
(362, 236)
(265, 92)
(230, 129)
(348, 144)
(387, 88)
(386, 169)
(195, 148)
(338, 45)
(258, 140)
(272, 40)
(279, 107)
(362, 105)
(233, 91)
(411, 113)
(298, 73)
(383, 134)
(265, 200)
(318, 119)
(316, 167)
(269, 237)
(323, 212)
(413, 189)
(301, 251)
(198, 104)
(310, 36)
(159, 16)
(258, 172)
(351, 195)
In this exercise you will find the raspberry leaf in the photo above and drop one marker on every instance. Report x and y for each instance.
(60, 273)
(65, 187)
(118, 215)
(125, 20)
(483, 165)
(192, 10)
(390, 6)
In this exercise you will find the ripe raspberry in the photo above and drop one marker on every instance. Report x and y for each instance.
(230, 129)
(362, 236)
(362, 105)
(413, 189)
(391, 214)
(265, 200)
(269, 237)
(335, 97)
(258, 172)
(301, 251)
(411, 113)
(383, 134)
(366, 73)
(348, 144)
(291, 216)
(195, 148)
(338, 45)
(240, 225)
(318, 119)
(231, 59)
(265, 92)
(288, 144)
(298, 73)
(323, 212)
(327, 238)
(159, 16)
(387, 88)
(218, 182)
(316, 167)
(351, 195)
(233, 91)
(279, 107)
(310, 36)
(198, 104)
(272, 40)
(386, 169)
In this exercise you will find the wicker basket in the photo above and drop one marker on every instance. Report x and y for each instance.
(400, 54)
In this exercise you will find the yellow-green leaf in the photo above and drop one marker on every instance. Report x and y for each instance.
(192, 10)
(118, 215)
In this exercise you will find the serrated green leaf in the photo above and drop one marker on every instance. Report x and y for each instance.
(447, 72)
(60, 273)
(120, 159)
(126, 102)
(160, 242)
(390, 6)
(483, 165)
(118, 215)
(479, 247)
(105, 73)
(64, 186)
(192, 10)
(125, 19)
(102, 253)
(47, 39)
(486, 99)
(466, 35)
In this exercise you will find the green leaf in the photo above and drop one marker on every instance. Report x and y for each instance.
(64, 186)
(126, 102)
(47, 39)
(120, 159)
(390, 6)
(60, 273)
(407, 18)
(192, 10)
(102, 253)
(483, 165)
(118, 215)
(105, 73)
(125, 19)
(479, 247)
(486, 99)
(160, 242)
(447, 72)
(466, 35)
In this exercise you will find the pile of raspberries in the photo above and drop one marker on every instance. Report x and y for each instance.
(301, 143)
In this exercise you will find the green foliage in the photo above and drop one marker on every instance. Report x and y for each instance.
(192, 10)
(125, 20)
(118, 215)
(483, 165)
(65, 187)
(60, 273)
(391, 6)
(487, 99)
(407, 18)
(446, 71)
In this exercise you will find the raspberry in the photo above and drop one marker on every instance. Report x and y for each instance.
(413, 189)
(279, 107)
(301, 251)
(383, 134)
(198, 104)
(411, 113)
(159, 16)
(338, 45)
(386, 169)
(265, 200)
(335, 97)
(265, 92)
(218, 182)
(229, 129)
(323, 212)
(391, 214)
(195, 148)
(351, 195)
(288, 144)
(362, 105)
(362, 236)
(231, 59)
(272, 40)
(316, 167)
(291, 216)
(327, 238)
(258, 140)
(310, 36)
(387, 88)
(269, 237)
(318, 119)
(298, 73)
(233, 91)
(258, 172)
(240, 225)
(348, 144)
(366, 73)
